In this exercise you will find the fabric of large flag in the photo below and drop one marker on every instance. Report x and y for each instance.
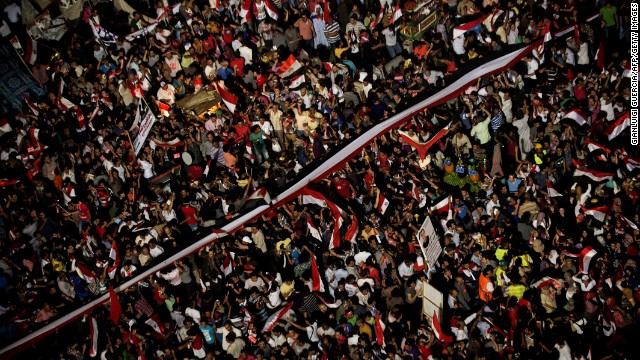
(576, 115)
(584, 258)
(288, 67)
(423, 148)
(115, 310)
(618, 126)
(600, 212)
(329, 165)
(273, 319)
(437, 330)
(229, 99)
(594, 175)
(316, 281)
(93, 336)
(462, 29)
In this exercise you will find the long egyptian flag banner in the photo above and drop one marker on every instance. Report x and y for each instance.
(328, 166)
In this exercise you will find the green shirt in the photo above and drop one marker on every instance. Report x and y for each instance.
(608, 15)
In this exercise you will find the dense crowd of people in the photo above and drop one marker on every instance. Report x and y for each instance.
(539, 231)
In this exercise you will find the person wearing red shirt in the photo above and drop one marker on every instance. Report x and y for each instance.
(190, 216)
(343, 186)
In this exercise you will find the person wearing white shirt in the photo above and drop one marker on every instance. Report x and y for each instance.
(147, 167)
(173, 276)
(532, 67)
(493, 203)
(507, 105)
(405, 270)
(246, 53)
(458, 45)
(166, 93)
(225, 330)
(13, 12)
(265, 126)
(585, 282)
(606, 105)
(155, 250)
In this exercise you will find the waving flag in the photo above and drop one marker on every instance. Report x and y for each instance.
(383, 203)
(85, 274)
(378, 19)
(316, 281)
(113, 254)
(313, 197)
(352, 230)
(326, 12)
(229, 99)
(297, 82)
(618, 126)
(584, 258)
(245, 11)
(437, 330)
(423, 148)
(397, 14)
(442, 206)
(592, 146)
(593, 175)
(102, 34)
(116, 309)
(379, 331)
(631, 224)
(600, 212)
(271, 10)
(155, 323)
(33, 107)
(551, 191)
(288, 67)
(576, 115)
(313, 230)
(260, 193)
(93, 336)
(273, 319)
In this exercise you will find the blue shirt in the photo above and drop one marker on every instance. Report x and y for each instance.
(513, 187)
(224, 73)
